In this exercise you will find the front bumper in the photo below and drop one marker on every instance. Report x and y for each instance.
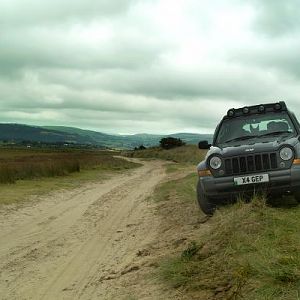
(281, 182)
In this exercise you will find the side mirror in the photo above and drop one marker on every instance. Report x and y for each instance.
(204, 145)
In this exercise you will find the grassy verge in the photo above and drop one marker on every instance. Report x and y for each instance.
(183, 189)
(251, 251)
(188, 154)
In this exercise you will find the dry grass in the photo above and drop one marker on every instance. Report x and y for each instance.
(251, 251)
(31, 164)
(188, 154)
(247, 250)
(25, 172)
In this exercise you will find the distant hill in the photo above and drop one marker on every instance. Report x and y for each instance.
(61, 134)
(18, 133)
(131, 141)
(193, 138)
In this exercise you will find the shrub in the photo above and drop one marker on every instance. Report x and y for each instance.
(142, 147)
(170, 142)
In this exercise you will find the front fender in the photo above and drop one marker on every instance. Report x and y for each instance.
(202, 166)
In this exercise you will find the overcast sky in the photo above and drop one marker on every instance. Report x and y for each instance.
(155, 66)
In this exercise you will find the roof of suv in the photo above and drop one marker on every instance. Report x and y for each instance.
(256, 109)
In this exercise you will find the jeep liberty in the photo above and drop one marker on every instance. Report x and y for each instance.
(255, 148)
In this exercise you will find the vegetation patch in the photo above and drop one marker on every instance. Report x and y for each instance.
(251, 250)
(170, 143)
(25, 164)
(188, 154)
(184, 189)
(247, 250)
(36, 172)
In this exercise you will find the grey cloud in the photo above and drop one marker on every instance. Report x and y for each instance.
(158, 119)
(277, 18)
(44, 48)
(107, 65)
(221, 81)
(33, 12)
(276, 57)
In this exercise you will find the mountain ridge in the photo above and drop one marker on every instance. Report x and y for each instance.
(14, 132)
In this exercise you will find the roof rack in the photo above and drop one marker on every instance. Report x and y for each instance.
(256, 109)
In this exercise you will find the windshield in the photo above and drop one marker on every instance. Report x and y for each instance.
(250, 127)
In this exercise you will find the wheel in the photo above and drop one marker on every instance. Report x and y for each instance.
(206, 204)
(297, 196)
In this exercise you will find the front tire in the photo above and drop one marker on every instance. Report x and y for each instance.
(206, 204)
(297, 196)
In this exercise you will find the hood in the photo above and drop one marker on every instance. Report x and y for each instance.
(250, 147)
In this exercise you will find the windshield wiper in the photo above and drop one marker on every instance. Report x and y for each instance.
(276, 133)
(242, 138)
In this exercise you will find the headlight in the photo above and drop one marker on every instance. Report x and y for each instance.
(215, 162)
(286, 153)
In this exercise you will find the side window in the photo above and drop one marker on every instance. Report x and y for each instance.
(223, 133)
(268, 126)
(295, 118)
(215, 137)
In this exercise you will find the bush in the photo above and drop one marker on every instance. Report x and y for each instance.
(142, 147)
(171, 142)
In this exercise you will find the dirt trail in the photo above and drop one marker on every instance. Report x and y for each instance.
(80, 244)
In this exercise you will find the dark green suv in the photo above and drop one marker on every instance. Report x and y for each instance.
(255, 148)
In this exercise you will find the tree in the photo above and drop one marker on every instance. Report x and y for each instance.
(142, 147)
(170, 142)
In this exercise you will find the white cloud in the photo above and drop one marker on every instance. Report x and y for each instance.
(141, 66)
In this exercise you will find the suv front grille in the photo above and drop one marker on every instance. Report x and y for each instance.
(251, 163)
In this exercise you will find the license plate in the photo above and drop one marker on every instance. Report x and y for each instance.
(260, 178)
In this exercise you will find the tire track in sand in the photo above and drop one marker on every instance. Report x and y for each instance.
(71, 250)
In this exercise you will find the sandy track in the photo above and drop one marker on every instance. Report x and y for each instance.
(76, 244)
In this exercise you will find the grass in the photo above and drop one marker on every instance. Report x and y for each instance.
(31, 164)
(188, 154)
(185, 189)
(251, 251)
(25, 173)
(247, 251)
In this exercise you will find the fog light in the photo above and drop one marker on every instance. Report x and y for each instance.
(261, 109)
(282, 165)
(231, 113)
(278, 106)
(246, 110)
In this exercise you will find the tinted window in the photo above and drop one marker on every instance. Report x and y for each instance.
(254, 126)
